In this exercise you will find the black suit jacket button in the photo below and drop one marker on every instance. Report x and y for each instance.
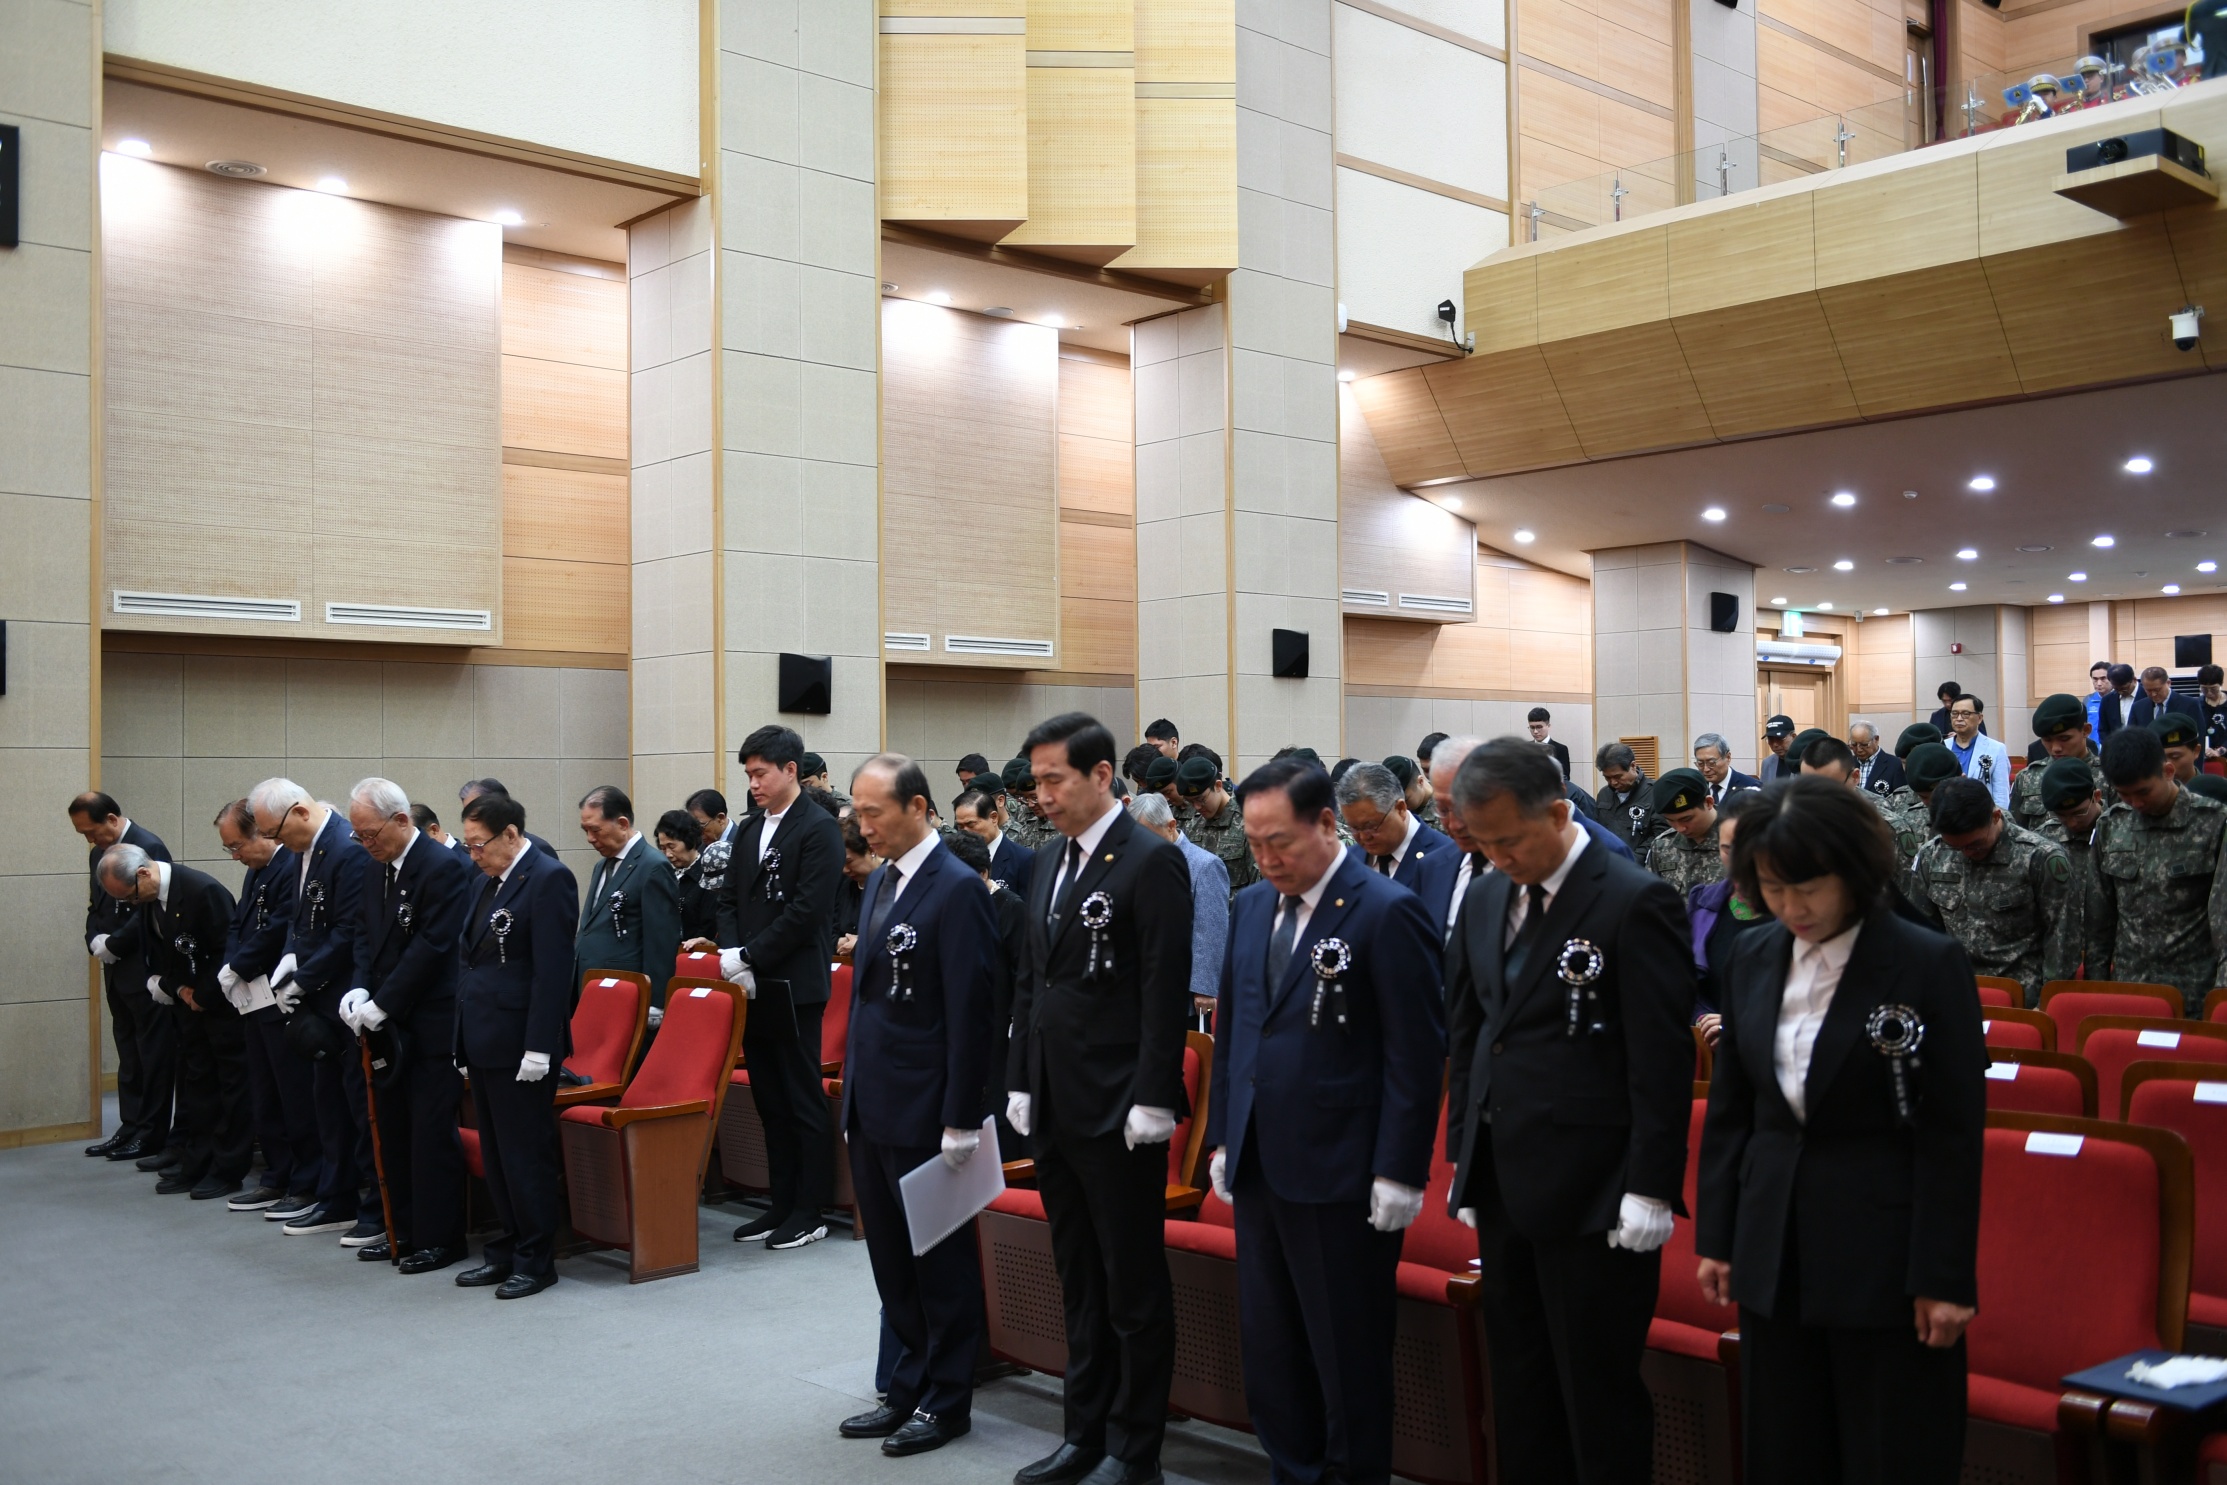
(1496, 1049)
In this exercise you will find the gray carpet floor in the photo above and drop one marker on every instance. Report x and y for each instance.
(157, 1339)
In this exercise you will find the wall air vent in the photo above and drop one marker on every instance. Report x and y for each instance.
(1433, 603)
(407, 616)
(207, 606)
(979, 644)
(910, 642)
(1366, 597)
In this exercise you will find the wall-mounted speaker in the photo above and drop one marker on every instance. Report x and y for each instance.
(1288, 654)
(1724, 612)
(807, 684)
(2191, 649)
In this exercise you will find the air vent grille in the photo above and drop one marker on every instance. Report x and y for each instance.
(405, 616)
(1366, 597)
(982, 644)
(1434, 603)
(909, 642)
(206, 606)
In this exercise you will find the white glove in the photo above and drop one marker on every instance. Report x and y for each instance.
(228, 980)
(1217, 1173)
(656, 1014)
(101, 950)
(1642, 1224)
(350, 1004)
(731, 968)
(1393, 1206)
(959, 1146)
(533, 1067)
(1467, 1216)
(1148, 1126)
(369, 1017)
(1017, 1107)
(287, 996)
(284, 974)
(154, 988)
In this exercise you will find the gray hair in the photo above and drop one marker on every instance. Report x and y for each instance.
(1712, 740)
(1151, 810)
(1615, 755)
(121, 863)
(1447, 756)
(1864, 727)
(274, 797)
(384, 795)
(1373, 782)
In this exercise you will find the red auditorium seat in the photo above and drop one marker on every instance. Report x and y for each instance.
(2007, 1026)
(2211, 1461)
(606, 1034)
(2187, 1100)
(742, 1134)
(2215, 1006)
(1999, 990)
(2034, 1082)
(2083, 1256)
(1694, 1439)
(2069, 1002)
(1704, 1059)
(633, 1171)
(2111, 1043)
(1186, 1156)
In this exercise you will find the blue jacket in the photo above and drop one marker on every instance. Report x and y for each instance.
(1428, 870)
(2142, 711)
(1209, 916)
(406, 950)
(1602, 836)
(515, 994)
(327, 913)
(919, 1053)
(263, 916)
(1012, 863)
(1338, 1106)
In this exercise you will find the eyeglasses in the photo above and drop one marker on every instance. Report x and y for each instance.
(274, 832)
(475, 850)
(236, 847)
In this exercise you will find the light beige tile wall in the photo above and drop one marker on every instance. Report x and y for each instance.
(49, 87)
(939, 722)
(1180, 379)
(1639, 661)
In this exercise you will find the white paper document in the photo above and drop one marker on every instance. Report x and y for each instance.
(940, 1200)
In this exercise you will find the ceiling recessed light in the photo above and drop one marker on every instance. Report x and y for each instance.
(2104, 541)
(937, 296)
(2077, 577)
(1801, 571)
(1878, 613)
(1776, 510)
(1980, 482)
(1346, 375)
(1844, 565)
(2056, 598)
(2207, 567)
(888, 287)
(2039, 546)
(1904, 561)
(510, 219)
(235, 169)
(1713, 513)
(1824, 605)
(1844, 499)
(1055, 320)
(138, 149)
(2170, 588)
(2186, 535)
(1908, 495)
(998, 311)
(2139, 464)
(1453, 502)
(1967, 554)
(1778, 602)
(1956, 587)
(1526, 537)
(332, 185)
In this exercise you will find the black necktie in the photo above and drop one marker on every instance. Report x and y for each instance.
(1280, 942)
(1383, 864)
(1528, 936)
(486, 900)
(394, 871)
(1476, 863)
(1074, 873)
(882, 905)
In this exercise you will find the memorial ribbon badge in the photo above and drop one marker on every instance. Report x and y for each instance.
(1331, 958)
(1097, 916)
(902, 940)
(499, 923)
(1579, 965)
(405, 916)
(770, 880)
(1896, 1033)
(618, 913)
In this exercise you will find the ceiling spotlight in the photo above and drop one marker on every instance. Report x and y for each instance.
(2056, 598)
(2036, 546)
(1966, 554)
(138, 149)
(1778, 602)
(1844, 565)
(2078, 577)
(2207, 567)
(1055, 321)
(1907, 495)
(1453, 502)
(1525, 538)
(937, 296)
(332, 185)
(1980, 482)
(1956, 587)
(510, 219)
(1844, 499)
(1824, 605)
(888, 287)
(2139, 464)
(2104, 541)
(1346, 375)
(2170, 588)
(1776, 510)
(1878, 613)
(1713, 513)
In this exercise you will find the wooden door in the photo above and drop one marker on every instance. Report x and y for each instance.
(1808, 696)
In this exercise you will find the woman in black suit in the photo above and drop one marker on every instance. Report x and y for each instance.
(682, 839)
(1840, 1162)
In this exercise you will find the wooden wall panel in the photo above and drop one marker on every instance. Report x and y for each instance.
(1097, 502)
(577, 607)
(954, 128)
(1186, 135)
(2058, 646)
(1082, 131)
(1880, 680)
(553, 315)
(2157, 620)
(562, 408)
(1532, 641)
(564, 514)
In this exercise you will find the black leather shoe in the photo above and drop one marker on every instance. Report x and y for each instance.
(106, 1145)
(175, 1182)
(484, 1275)
(518, 1286)
(1112, 1471)
(426, 1260)
(161, 1160)
(1064, 1464)
(378, 1252)
(879, 1424)
(130, 1149)
(209, 1188)
(922, 1432)
(757, 1229)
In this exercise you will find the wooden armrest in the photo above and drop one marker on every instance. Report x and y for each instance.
(1184, 1198)
(616, 1118)
(588, 1093)
(1464, 1291)
(2082, 1412)
(830, 1069)
(2141, 1423)
(1728, 1351)
(1019, 1170)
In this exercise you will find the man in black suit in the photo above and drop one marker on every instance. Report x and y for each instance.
(1569, 992)
(1540, 721)
(913, 1084)
(980, 812)
(146, 1063)
(282, 1097)
(631, 918)
(1876, 769)
(1096, 1073)
(1712, 755)
(1328, 1056)
(513, 1029)
(1010, 912)
(404, 1007)
(318, 967)
(2158, 699)
(183, 916)
(776, 934)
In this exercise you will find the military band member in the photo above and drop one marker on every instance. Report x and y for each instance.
(146, 1057)
(282, 1101)
(2061, 722)
(1685, 855)
(1999, 889)
(2159, 912)
(1214, 821)
(631, 916)
(513, 1030)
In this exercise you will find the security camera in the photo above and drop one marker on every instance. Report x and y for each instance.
(2185, 326)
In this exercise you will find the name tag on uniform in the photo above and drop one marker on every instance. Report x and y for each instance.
(2157, 1039)
(698, 994)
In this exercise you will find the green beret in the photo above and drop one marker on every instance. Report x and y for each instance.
(811, 765)
(1403, 768)
(2059, 713)
(1679, 789)
(1194, 776)
(2175, 730)
(1016, 774)
(2066, 782)
(1930, 764)
(2210, 785)
(1913, 736)
(1160, 772)
(984, 783)
(1802, 741)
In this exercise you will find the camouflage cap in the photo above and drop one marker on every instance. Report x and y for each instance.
(1930, 764)
(2177, 731)
(2059, 713)
(1679, 789)
(1194, 776)
(1913, 736)
(2066, 782)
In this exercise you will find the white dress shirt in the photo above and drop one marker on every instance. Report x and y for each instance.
(1307, 901)
(773, 823)
(162, 881)
(1811, 978)
(1520, 898)
(908, 865)
(1462, 876)
(1088, 840)
(301, 882)
(523, 847)
(609, 866)
(1398, 853)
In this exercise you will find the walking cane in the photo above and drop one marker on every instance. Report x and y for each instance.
(378, 1154)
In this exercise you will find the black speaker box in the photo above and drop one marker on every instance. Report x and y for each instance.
(1724, 612)
(1288, 653)
(2191, 649)
(807, 684)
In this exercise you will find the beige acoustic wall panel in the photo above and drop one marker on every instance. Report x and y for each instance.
(302, 411)
(970, 499)
(954, 115)
(1082, 131)
(1186, 139)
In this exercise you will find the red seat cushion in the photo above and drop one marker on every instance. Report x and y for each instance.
(603, 1028)
(1422, 1281)
(2011, 1034)
(1687, 1340)
(2024, 1088)
(689, 1056)
(1678, 1296)
(835, 1022)
(473, 1162)
(2171, 1103)
(1995, 995)
(1193, 1070)
(2069, 1008)
(2207, 1309)
(2111, 1048)
(1207, 1238)
(2012, 1404)
(1019, 1201)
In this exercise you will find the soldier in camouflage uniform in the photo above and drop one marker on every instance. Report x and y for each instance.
(1685, 855)
(1819, 752)
(1026, 827)
(2159, 912)
(1416, 785)
(2183, 739)
(2069, 792)
(811, 773)
(2061, 722)
(1913, 737)
(1929, 766)
(2001, 890)
(1215, 823)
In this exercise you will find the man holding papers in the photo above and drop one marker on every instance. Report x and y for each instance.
(913, 1082)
